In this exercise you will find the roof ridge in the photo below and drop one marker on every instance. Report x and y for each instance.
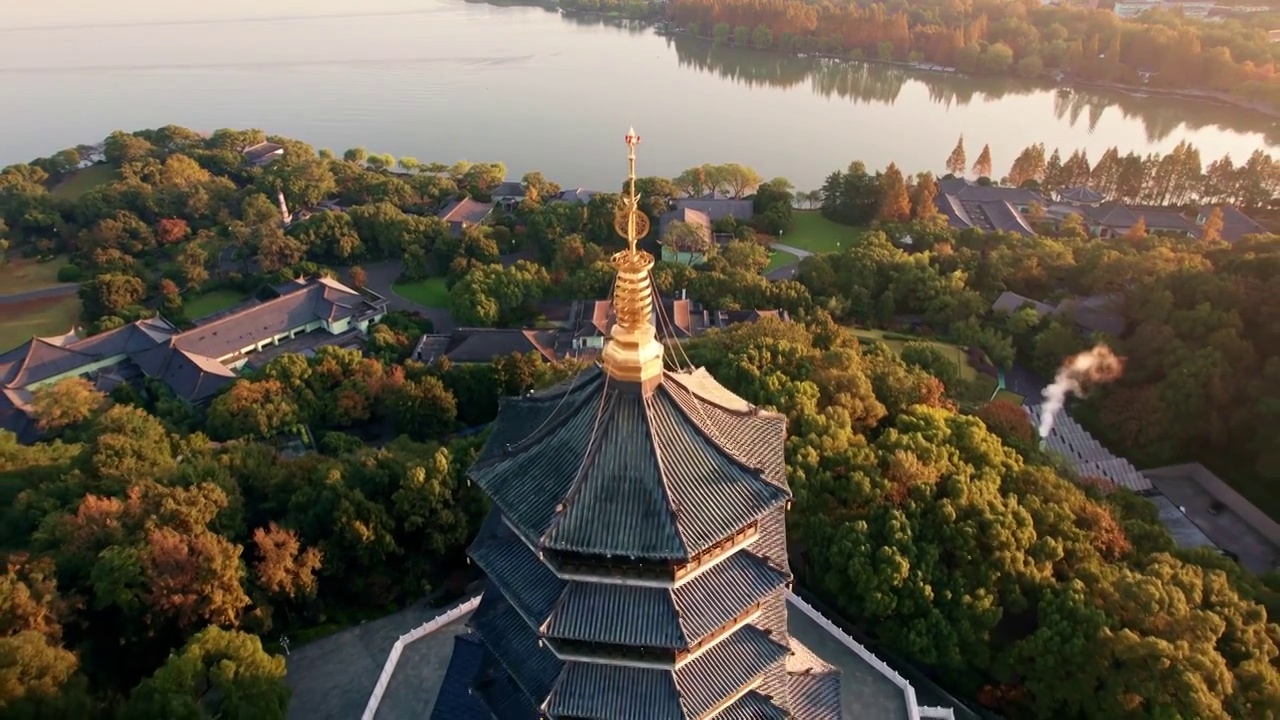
(547, 428)
(588, 457)
(756, 472)
(666, 490)
(753, 411)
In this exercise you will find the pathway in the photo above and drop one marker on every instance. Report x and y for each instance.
(382, 276)
(787, 272)
(57, 291)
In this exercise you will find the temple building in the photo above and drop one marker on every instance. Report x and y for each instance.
(636, 548)
(635, 556)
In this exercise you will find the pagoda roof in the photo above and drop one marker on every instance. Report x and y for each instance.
(533, 667)
(596, 467)
(642, 616)
(754, 706)
(620, 692)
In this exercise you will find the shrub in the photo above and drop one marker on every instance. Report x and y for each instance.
(69, 273)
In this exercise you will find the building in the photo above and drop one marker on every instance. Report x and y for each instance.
(464, 213)
(635, 550)
(508, 195)
(1113, 219)
(695, 218)
(197, 363)
(576, 195)
(582, 334)
(1092, 314)
(989, 208)
(1080, 195)
(1194, 10)
(264, 153)
(1235, 224)
(717, 207)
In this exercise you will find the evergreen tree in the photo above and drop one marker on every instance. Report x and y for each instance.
(924, 199)
(956, 160)
(982, 166)
(895, 205)
(1053, 172)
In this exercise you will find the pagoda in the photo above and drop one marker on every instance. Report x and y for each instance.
(636, 549)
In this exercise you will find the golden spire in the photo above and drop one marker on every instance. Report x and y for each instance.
(633, 353)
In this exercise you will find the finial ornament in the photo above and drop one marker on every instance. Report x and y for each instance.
(630, 222)
(633, 353)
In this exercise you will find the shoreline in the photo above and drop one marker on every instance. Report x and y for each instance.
(1207, 97)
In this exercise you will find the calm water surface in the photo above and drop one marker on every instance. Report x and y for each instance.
(445, 80)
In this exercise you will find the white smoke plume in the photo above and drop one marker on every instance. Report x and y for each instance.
(1077, 374)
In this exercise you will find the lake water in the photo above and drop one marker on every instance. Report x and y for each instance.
(446, 80)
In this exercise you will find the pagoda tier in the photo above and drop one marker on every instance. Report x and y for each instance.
(745, 660)
(599, 471)
(674, 618)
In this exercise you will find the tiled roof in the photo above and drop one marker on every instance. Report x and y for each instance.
(509, 189)
(39, 359)
(618, 614)
(191, 376)
(1011, 302)
(466, 210)
(500, 694)
(968, 191)
(1235, 224)
(1120, 217)
(685, 215)
(675, 470)
(469, 345)
(814, 696)
(617, 692)
(518, 573)
(578, 195)
(754, 706)
(719, 208)
(322, 299)
(1081, 194)
(455, 700)
(515, 645)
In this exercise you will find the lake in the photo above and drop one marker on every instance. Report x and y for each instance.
(446, 80)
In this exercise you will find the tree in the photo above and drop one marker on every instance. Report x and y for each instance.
(170, 231)
(284, 568)
(355, 155)
(260, 408)
(982, 166)
(739, 179)
(358, 277)
(111, 293)
(191, 261)
(687, 238)
(1211, 231)
(1138, 230)
(924, 198)
(955, 161)
(66, 403)
(538, 188)
(217, 674)
(423, 409)
(895, 206)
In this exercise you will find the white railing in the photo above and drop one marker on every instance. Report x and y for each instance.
(389, 668)
(913, 709)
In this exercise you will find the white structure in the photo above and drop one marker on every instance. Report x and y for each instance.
(1087, 455)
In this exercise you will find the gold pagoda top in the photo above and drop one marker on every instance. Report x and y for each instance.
(633, 353)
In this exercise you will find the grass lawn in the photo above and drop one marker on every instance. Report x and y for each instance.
(25, 274)
(46, 316)
(428, 293)
(82, 181)
(780, 259)
(810, 231)
(1009, 396)
(211, 302)
(967, 371)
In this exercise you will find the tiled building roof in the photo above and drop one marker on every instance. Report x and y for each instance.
(658, 617)
(609, 459)
(455, 701)
(717, 208)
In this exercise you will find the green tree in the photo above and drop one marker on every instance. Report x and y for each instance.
(217, 674)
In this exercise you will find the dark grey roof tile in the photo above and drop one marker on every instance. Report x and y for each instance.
(515, 645)
(727, 667)
(754, 706)
(589, 690)
(617, 615)
(518, 573)
(500, 694)
(814, 696)
(711, 599)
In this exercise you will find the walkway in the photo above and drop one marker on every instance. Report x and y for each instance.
(382, 276)
(787, 272)
(57, 291)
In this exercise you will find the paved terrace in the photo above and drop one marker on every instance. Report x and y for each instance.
(331, 678)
